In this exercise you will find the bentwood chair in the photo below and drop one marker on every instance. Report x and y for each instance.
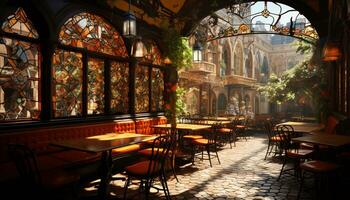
(40, 184)
(154, 167)
(291, 150)
(208, 144)
(228, 133)
(273, 138)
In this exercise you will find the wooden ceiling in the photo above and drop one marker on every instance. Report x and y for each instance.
(185, 14)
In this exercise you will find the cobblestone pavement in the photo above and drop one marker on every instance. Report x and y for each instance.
(242, 174)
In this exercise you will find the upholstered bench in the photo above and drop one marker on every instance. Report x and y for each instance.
(49, 157)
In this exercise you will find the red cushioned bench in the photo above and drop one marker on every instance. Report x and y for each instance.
(50, 157)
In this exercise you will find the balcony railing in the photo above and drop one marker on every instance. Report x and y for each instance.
(203, 67)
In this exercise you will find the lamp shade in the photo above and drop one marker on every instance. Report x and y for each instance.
(129, 25)
(197, 52)
(331, 51)
(137, 48)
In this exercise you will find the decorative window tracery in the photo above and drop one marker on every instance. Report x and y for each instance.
(90, 31)
(119, 87)
(141, 89)
(157, 89)
(95, 86)
(19, 71)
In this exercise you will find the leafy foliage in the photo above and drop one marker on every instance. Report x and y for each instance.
(180, 103)
(177, 48)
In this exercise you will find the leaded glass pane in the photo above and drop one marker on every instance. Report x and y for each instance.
(19, 80)
(152, 54)
(141, 89)
(92, 32)
(20, 24)
(119, 87)
(96, 86)
(67, 79)
(157, 89)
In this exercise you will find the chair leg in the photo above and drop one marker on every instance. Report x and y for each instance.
(127, 182)
(301, 185)
(208, 151)
(173, 168)
(217, 155)
(267, 151)
(284, 163)
(165, 185)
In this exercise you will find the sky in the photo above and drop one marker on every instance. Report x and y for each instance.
(273, 8)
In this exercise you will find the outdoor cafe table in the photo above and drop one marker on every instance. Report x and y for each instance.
(304, 127)
(185, 127)
(330, 140)
(103, 144)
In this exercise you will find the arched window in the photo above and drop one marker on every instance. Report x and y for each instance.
(149, 69)
(90, 59)
(222, 102)
(238, 59)
(19, 69)
(226, 64)
(211, 54)
(249, 65)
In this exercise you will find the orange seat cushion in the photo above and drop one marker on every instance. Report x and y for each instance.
(300, 153)
(141, 168)
(200, 141)
(193, 136)
(148, 151)
(125, 150)
(240, 126)
(224, 130)
(275, 138)
(319, 166)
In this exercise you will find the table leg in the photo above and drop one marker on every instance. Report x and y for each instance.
(106, 165)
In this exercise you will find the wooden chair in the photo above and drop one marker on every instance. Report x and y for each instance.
(273, 139)
(154, 167)
(44, 183)
(208, 144)
(321, 170)
(228, 133)
(291, 150)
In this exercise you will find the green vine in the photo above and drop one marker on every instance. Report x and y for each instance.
(177, 48)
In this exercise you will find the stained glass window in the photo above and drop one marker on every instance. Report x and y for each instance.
(152, 53)
(20, 24)
(141, 89)
(67, 71)
(92, 32)
(95, 86)
(157, 89)
(119, 87)
(19, 71)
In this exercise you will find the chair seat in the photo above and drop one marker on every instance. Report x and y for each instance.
(319, 166)
(306, 146)
(224, 130)
(240, 126)
(201, 141)
(148, 151)
(300, 153)
(192, 136)
(141, 168)
(275, 138)
(125, 150)
(58, 178)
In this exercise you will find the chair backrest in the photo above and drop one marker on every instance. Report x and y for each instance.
(25, 161)
(160, 152)
(286, 133)
(269, 126)
(213, 133)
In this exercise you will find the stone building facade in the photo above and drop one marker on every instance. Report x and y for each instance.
(226, 81)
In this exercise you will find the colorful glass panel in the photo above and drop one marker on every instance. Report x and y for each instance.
(93, 33)
(96, 86)
(157, 89)
(20, 24)
(152, 54)
(141, 89)
(119, 87)
(19, 80)
(67, 78)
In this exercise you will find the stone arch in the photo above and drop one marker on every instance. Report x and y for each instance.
(222, 103)
(249, 64)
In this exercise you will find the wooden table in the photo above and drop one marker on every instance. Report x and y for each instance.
(304, 127)
(186, 127)
(103, 144)
(324, 139)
